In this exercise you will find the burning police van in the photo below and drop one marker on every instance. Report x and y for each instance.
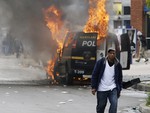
(81, 51)
(78, 56)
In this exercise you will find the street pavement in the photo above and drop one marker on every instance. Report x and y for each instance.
(61, 99)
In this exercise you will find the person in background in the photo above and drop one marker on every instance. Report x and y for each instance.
(106, 81)
(18, 47)
(143, 47)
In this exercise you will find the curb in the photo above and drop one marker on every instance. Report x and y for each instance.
(31, 82)
(144, 109)
(142, 87)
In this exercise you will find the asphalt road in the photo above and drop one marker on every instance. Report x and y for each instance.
(60, 99)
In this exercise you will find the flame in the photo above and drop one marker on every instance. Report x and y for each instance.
(50, 68)
(97, 22)
(98, 18)
(53, 18)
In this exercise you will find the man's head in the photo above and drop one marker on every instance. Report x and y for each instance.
(139, 33)
(111, 54)
(130, 33)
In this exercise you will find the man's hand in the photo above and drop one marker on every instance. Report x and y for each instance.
(93, 91)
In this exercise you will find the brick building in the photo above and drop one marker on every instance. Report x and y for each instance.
(137, 15)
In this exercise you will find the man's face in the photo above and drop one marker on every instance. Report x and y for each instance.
(111, 55)
(130, 33)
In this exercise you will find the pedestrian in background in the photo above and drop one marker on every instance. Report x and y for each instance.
(18, 47)
(106, 81)
(143, 47)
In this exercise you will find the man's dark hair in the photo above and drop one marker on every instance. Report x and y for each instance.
(111, 49)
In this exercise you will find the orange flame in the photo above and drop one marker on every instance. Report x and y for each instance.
(53, 18)
(98, 18)
(50, 68)
(97, 22)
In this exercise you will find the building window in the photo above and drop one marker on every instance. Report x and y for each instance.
(127, 23)
(117, 8)
(126, 10)
(117, 24)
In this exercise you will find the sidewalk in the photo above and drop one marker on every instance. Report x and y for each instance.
(21, 71)
(138, 70)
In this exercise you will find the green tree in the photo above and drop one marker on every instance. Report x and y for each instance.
(148, 3)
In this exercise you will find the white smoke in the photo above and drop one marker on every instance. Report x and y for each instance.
(76, 13)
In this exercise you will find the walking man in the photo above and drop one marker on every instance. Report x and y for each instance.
(106, 81)
(143, 47)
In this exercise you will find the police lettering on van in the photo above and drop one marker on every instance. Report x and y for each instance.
(88, 43)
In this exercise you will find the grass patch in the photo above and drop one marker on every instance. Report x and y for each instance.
(148, 100)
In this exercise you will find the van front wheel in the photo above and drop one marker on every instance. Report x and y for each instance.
(68, 80)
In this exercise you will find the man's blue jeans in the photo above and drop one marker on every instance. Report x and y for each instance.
(102, 97)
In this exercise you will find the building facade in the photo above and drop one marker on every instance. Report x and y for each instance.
(129, 14)
(119, 12)
(140, 18)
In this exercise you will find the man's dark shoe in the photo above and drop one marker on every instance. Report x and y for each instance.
(146, 60)
(137, 60)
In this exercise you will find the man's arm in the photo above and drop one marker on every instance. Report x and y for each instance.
(95, 76)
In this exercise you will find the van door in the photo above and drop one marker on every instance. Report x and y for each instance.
(125, 54)
(122, 46)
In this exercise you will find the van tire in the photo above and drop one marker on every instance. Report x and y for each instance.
(68, 79)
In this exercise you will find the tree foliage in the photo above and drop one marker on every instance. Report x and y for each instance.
(148, 3)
